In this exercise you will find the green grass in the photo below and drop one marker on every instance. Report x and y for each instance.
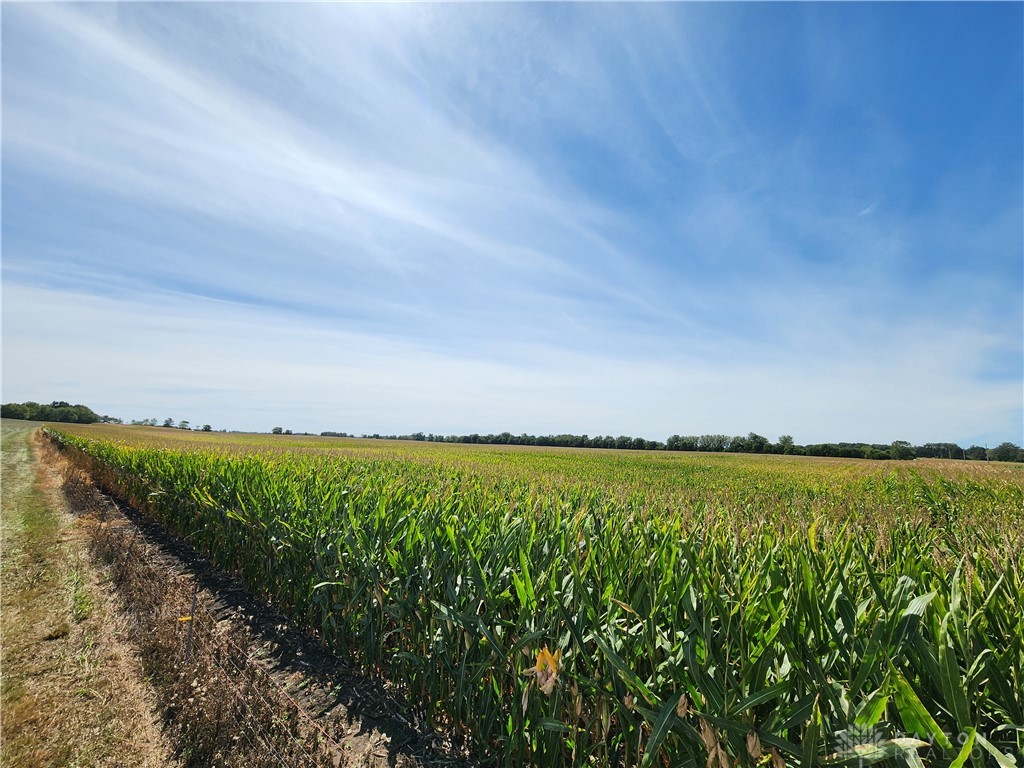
(78, 594)
(697, 600)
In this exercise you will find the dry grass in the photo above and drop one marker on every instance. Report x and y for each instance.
(235, 685)
(72, 689)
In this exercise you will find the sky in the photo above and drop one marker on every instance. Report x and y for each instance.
(641, 219)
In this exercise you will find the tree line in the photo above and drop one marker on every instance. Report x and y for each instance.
(58, 410)
(752, 443)
(61, 411)
(169, 424)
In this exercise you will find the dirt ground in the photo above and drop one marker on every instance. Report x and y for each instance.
(122, 647)
(72, 689)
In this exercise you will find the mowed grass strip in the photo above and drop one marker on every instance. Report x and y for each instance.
(602, 608)
(71, 693)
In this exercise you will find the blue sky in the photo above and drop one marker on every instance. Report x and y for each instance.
(629, 219)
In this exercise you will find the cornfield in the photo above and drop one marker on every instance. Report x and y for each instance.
(558, 607)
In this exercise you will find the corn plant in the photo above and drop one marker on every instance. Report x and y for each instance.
(555, 608)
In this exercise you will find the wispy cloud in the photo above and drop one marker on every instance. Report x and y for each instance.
(159, 358)
(558, 217)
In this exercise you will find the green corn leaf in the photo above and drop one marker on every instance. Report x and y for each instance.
(965, 751)
(740, 729)
(869, 754)
(916, 719)
(550, 724)
(812, 734)
(1002, 760)
(917, 606)
(950, 680)
(623, 669)
(660, 730)
(876, 646)
(872, 710)
(762, 696)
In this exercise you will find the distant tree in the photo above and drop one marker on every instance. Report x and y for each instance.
(287, 431)
(820, 449)
(939, 451)
(712, 442)
(207, 428)
(58, 410)
(14, 411)
(756, 443)
(183, 424)
(168, 422)
(1006, 452)
(901, 450)
(276, 431)
(976, 453)
(736, 444)
(785, 444)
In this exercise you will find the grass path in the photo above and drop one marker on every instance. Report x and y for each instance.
(71, 692)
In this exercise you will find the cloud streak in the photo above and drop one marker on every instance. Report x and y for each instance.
(565, 221)
(139, 358)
